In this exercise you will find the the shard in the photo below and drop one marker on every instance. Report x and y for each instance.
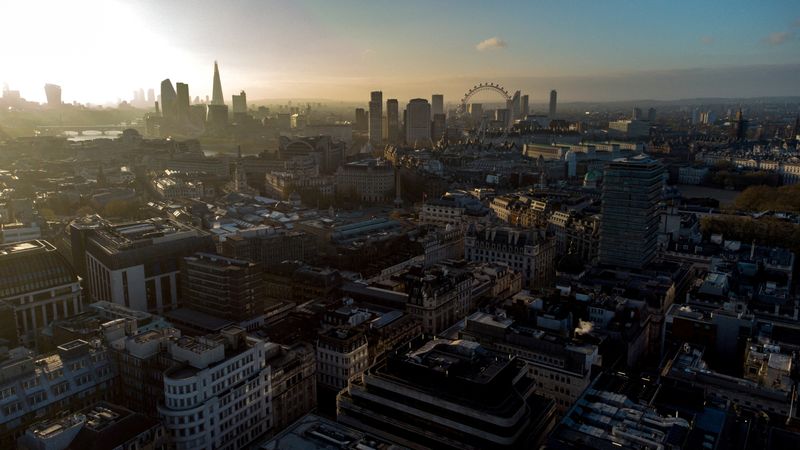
(216, 97)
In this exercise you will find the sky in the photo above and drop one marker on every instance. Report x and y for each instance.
(101, 50)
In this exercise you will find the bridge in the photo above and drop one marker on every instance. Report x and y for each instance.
(58, 130)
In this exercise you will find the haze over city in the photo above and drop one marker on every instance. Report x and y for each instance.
(399, 225)
(590, 51)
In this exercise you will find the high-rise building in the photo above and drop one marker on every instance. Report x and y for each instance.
(216, 94)
(376, 118)
(526, 109)
(418, 122)
(392, 120)
(228, 288)
(362, 120)
(239, 103)
(476, 111)
(151, 96)
(53, 93)
(739, 129)
(636, 114)
(553, 102)
(516, 106)
(169, 100)
(182, 105)
(651, 115)
(438, 127)
(630, 218)
(437, 104)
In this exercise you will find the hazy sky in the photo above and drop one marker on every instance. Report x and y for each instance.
(101, 50)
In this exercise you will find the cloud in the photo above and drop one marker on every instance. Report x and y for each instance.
(367, 53)
(707, 40)
(779, 37)
(491, 44)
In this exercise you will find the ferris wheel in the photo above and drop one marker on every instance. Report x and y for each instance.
(462, 112)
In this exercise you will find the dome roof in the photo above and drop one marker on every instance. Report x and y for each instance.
(593, 175)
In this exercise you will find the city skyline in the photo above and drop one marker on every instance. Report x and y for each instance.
(341, 51)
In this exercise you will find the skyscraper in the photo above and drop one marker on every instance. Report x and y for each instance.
(526, 109)
(553, 101)
(651, 115)
(376, 118)
(516, 106)
(151, 96)
(637, 114)
(216, 95)
(361, 120)
(739, 130)
(438, 127)
(239, 103)
(418, 122)
(182, 105)
(392, 120)
(437, 104)
(629, 220)
(53, 93)
(169, 99)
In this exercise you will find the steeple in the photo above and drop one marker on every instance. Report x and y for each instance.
(216, 96)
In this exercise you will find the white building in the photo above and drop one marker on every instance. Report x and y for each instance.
(220, 397)
(418, 122)
(135, 264)
(342, 354)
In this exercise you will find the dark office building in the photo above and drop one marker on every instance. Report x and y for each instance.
(629, 220)
(169, 100)
(53, 93)
(392, 120)
(448, 395)
(223, 287)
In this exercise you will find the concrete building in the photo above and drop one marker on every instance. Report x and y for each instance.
(294, 387)
(376, 119)
(227, 288)
(553, 105)
(418, 122)
(629, 220)
(392, 120)
(37, 286)
(437, 393)
(562, 368)
(35, 387)
(135, 264)
(182, 105)
(219, 396)
(100, 426)
(530, 252)
(369, 180)
(437, 104)
(53, 94)
(239, 103)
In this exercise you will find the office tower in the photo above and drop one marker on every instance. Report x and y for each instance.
(438, 127)
(516, 106)
(418, 122)
(169, 100)
(502, 116)
(232, 289)
(637, 114)
(392, 120)
(182, 102)
(151, 96)
(362, 120)
(217, 116)
(629, 220)
(135, 264)
(448, 395)
(437, 104)
(239, 103)
(476, 111)
(53, 93)
(553, 102)
(38, 285)
(216, 93)
(375, 118)
(651, 115)
(739, 129)
(526, 109)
